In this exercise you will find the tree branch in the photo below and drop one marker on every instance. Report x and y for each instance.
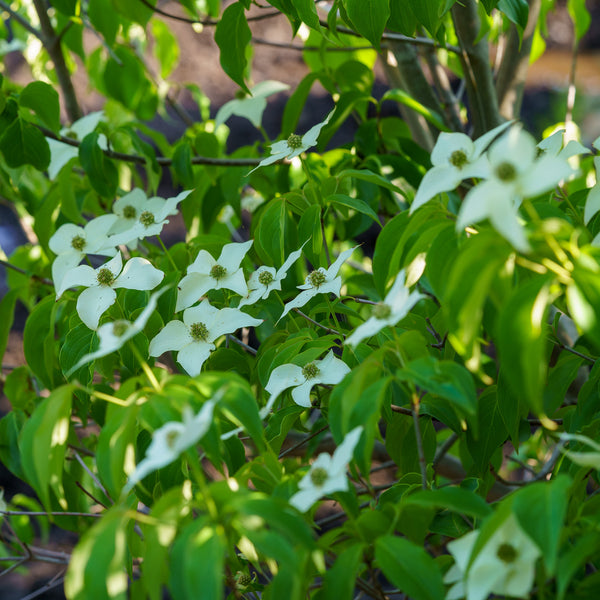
(22, 21)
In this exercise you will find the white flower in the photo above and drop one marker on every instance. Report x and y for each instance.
(514, 174)
(137, 274)
(553, 146)
(396, 306)
(330, 370)
(172, 439)
(193, 338)
(71, 243)
(295, 145)
(113, 335)
(251, 107)
(206, 273)
(583, 459)
(320, 281)
(265, 279)
(504, 566)
(142, 217)
(455, 157)
(327, 474)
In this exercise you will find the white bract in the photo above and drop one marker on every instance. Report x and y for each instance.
(321, 281)
(266, 279)
(553, 146)
(295, 145)
(171, 440)
(142, 217)
(515, 174)
(455, 157)
(504, 566)
(72, 243)
(193, 338)
(396, 306)
(583, 459)
(206, 273)
(113, 335)
(137, 274)
(330, 370)
(327, 474)
(251, 107)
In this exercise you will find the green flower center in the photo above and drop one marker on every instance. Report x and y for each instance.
(199, 332)
(105, 277)
(218, 272)
(243, 579)
(458, 159)
(310, 371)
(78, 242)
(129, 212)
(147, 218)
(120, 327)
(382, 311)
(507, 553)
(294, 141)
(318, 476)
(316, 278)
(506, 172)
(265, 278)
(171, 438)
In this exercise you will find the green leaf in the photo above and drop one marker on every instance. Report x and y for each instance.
(580, 16)
(489, 5)
(431, 116)
(101, 170)
(7, 315)
(42, 99)
(460, 500)
(368, 17)
(516, 10)
(233, 36)
(275, 235)
(541, 509)
(24, 144)
(354, 203)
(166, 48)
(136, 12)
(574, 559)
(182, 164)
(409, 568)
(428, 13)
(43, 443)
(296, 103)
(308, 13)
(79, 341)
(375, 178)
(104, 19)
(339, 579)
(38, 328)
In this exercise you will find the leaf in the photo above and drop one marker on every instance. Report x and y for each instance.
(489, 5)
(308, 13)
(39, 327)
(375, 178)
(7, 316)
(428, 13)
(166, 48)
(339, 579)
(104, 19)
(79, 341)
(275, 235)
(409, 568)
(431, 116)
(368, 17)
(574, 559)
(233, 36)
(580, 16)
(354, 203)
(43, 442)
(42, 99)
(24, 144)
(516, 10)
(456, 499)
(101, 170)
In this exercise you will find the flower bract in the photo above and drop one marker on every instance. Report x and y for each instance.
(327, 474)
(193, 337)
(206, 273)
(136, 274)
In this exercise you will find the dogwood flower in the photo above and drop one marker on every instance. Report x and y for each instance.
(515, 173)
(553, 146)
(251, 107)
(266, 279)
(71, 243)
(171, 440)
(455, 157)
(396, 306)
(320, 281)
(142, 217)
(137, 274)
(504, 566)
(206, 273)
(113, 335)
(295, 145)
(583, 459)
(330, 370)
(327, 474)
(194, 336)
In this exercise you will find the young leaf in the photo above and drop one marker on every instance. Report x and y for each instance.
(233, 36)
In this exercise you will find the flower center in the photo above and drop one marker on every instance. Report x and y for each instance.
(506, 172)
(318, 476)
(199, 332)
(310, 371)
(316, 278)
(458, 159)
(171, 438)
(382, 311)
(119, 328)
(129, 212)
(105, 277)
(147, 218)
(507, 553)
(294, 141)
(265, 278)
(243, 579)
(218, 272)
(78, 243)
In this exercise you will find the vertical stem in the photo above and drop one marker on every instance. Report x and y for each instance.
(419, 438)
(52, 45)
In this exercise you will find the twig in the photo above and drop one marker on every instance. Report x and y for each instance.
(21, 20)
(94, 479)
(43, 280)
(57, 580)
(242, 344)
(443, 449)
(401, 410)
(303, 441)
(419, 439)
(327, 329)
(28, 513)
(299, 48)
(576, 352)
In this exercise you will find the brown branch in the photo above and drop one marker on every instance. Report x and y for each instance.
(22, 21)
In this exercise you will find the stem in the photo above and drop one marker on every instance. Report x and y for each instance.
(327, 256)
(327, 329)
(419, 438)
(21, 20)
(145, 367)
(332, 311)
(27, 273)
(166, 251)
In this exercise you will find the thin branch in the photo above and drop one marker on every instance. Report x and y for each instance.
(562, 346)
(327, 329)
(298, 48)
(21, 20)
(242, 344)
(302, 441)
(43, 280)
(57, 580)
(28, 513)
(419, 440)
